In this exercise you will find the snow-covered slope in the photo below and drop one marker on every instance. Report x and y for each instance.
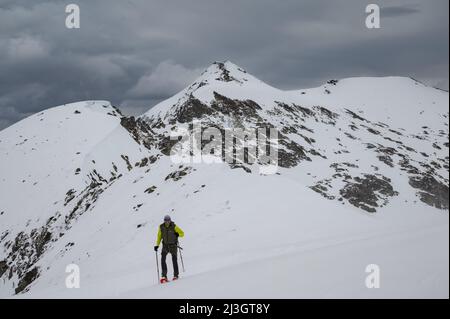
(49, 162)
(362, 179)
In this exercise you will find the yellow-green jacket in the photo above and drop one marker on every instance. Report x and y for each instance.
(166, 234)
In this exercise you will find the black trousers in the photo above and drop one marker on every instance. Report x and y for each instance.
(172, 249)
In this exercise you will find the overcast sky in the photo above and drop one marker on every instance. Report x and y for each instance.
(136, 53)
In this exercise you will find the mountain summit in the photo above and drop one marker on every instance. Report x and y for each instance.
(218, 77)
(225, 72)
(362, 178)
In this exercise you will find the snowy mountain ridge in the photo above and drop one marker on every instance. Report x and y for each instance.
(81, 183)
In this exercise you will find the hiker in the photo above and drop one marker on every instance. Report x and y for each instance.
(168, 232)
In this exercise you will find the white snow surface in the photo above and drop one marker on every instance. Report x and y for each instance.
(246, 235)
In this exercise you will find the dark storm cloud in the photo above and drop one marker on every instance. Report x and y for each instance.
(137, 52)
(396, 11)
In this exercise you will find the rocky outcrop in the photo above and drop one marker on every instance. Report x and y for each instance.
(3, 267)
(140, 131)
(431, 191)
(26, 280)
(368, 192)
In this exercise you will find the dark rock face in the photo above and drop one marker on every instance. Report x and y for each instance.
(190, 110)
(366, 192)
(3, 267)
(333, 82)
(356, 116)
(293, 154)
(432, 192)
(41, 240)
(117, 110)
(406, 166)
(146, 161)
(25, 251)
(69, 196)
(224, 73)
(371, 130)
(177, 175)
(246, 109)
(139, 130)
(27, 279)
(130, 124)
(322, 189)
(327, 116)
(165, 145)
(142, 163)
(150, 190)
(246, 169)
(127, 161)
(386, 159)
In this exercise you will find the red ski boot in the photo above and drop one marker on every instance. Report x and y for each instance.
(163, 280)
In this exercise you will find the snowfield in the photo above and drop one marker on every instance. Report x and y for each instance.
(363, 179)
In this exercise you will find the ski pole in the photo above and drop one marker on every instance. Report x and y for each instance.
(157, 265)
(181, 256)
